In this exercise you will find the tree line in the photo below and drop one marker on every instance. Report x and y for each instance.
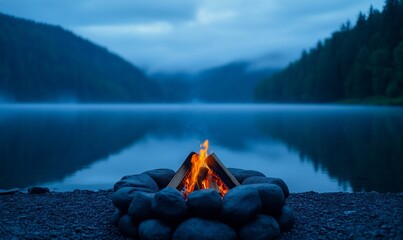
(359, 63)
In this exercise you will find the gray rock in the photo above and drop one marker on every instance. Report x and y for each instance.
(38, 190)
(259, 179)
(117, 215)
(140, 206)
(240, 205)
(202, 229)
(205, 203)
(286, 219)
(271, 196)
(124, 196)
(349, 212)
(9, 191)
(127, 227)
(263, 227)
(153, 229)
(161, 176)
(169, 204)
(137, 180)
(241, 174)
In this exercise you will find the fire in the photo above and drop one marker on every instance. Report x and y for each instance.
(201, 176)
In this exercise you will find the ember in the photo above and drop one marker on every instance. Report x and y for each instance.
(203, 171)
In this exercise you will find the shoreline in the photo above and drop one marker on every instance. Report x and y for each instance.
(85, 214)
(206, 105)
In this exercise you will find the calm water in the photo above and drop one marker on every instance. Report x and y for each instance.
(318, 148)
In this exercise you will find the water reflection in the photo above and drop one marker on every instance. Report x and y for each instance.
(313, 148)
(360, 146)
(272, 159)
(37, 146)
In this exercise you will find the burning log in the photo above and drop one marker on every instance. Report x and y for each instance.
(212, 174)
(221, 171)
(203, 173)
(182, 173)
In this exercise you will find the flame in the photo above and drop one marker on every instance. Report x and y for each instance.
(199, 168)
(198, 161)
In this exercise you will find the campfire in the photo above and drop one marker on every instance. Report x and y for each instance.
(203, 194)
(203, 171)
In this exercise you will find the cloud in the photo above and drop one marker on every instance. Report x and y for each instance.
(92, 12)
(119, 30)
(205, 16)
(182, 35)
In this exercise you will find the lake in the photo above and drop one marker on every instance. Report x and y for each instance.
(323, 148)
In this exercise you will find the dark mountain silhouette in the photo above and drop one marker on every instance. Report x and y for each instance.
(363, 63)
(42, 63)
(232, 82)
(176, 87)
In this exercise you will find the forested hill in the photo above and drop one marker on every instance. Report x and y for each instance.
(363, 63)
(41, 63)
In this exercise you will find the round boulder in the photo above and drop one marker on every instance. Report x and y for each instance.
(127, 227)
(241, 174)
(137, 180)
(124, 196)
(203, 229)
(262, 227)
(161, 176)
(205, 203)
(38, 190)
(153, 229)
(278, 181)
(128, 176)
(240, 205)
(140, 206)
(117, 215)
(169, 204)
(271, 196)
(286, 219)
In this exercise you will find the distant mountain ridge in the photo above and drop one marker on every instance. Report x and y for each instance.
(229, 83)
(43, 63)
(233, 82)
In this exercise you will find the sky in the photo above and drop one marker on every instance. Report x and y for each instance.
(188, 36)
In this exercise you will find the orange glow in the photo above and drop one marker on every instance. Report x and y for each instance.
(200, 169)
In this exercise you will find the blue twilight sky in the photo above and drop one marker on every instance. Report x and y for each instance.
(185, 35)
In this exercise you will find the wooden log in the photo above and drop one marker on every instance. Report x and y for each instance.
(221, 171)
(213, 183)
(200, 177)
(182, 173)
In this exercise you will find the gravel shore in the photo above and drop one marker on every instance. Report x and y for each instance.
(85, 215)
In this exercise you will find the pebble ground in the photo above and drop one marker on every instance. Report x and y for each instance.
(85, 215)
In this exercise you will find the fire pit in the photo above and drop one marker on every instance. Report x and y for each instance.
(202, 200)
